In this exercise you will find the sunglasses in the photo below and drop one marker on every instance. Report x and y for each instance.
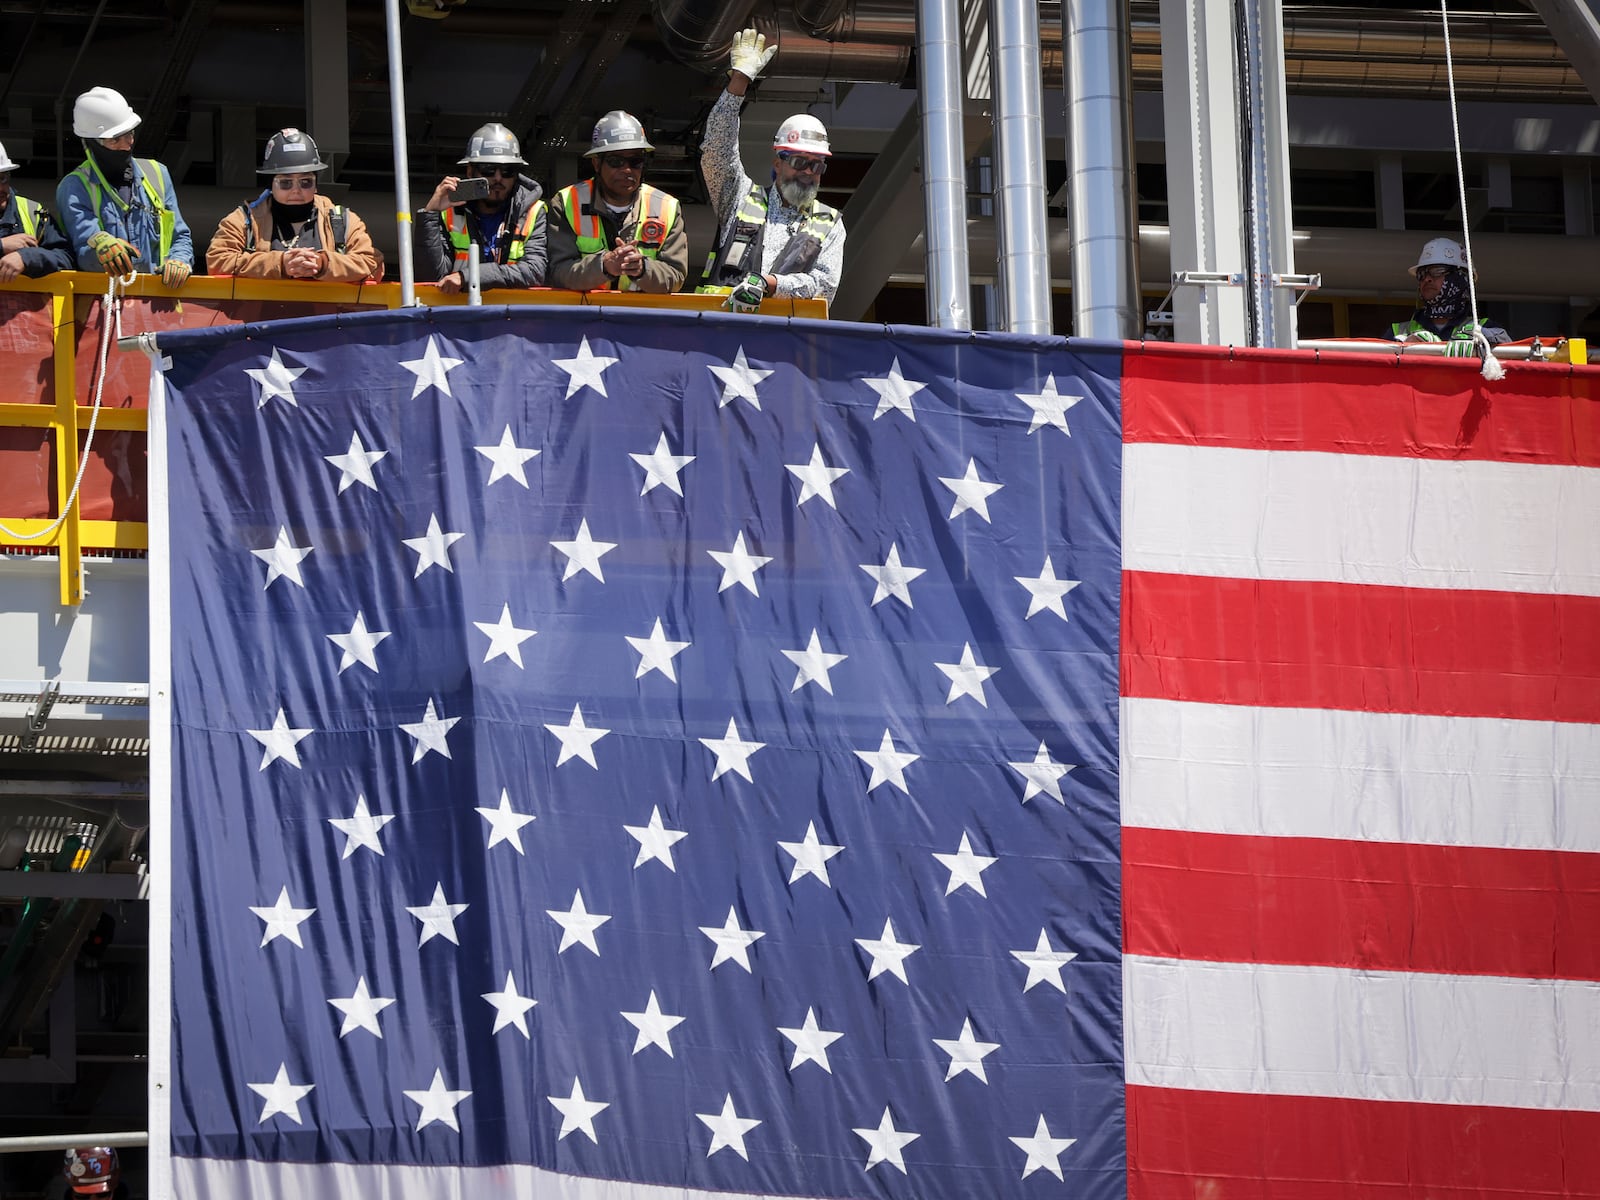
(804, 163)
(492, 172)
(1435, 272)
(285, 184)
(616, 162)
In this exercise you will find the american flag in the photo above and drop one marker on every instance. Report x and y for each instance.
(643, 755)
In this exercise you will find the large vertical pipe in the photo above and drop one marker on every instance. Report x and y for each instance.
(1103, 228)
(1019, 157)
(402, 168)
(1270, 232)
(944, 186)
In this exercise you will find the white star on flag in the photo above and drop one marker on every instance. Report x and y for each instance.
(433, 547)
(1049, 408)
(894, 392)
(361, 828)
(733, 753)
(656, 653)
(810, 856)
(655, 1027)
(739, 566)
(507, 458)
(811, 1042)
(972, 493)
(732, 942)
(1043, 1151)
(280, 741)
(739, 381)
(438, 917)
(1044, 964)
(586, 370)
(966, 677)
(814, 663)
(438, 1103)
(1043, 775)
(583, 553)
(432, 369)
(885, 1143)
(282, 920)
(430, 733)
(966, 868)
(816, 478)
(281, 1096)
(662, 467)
(504, 637)
(1045, 590)
(276, 379)
(361, 1009)
(893, 578)
(578, 1112)
(966, 1053)
(888, 764)
(505, 823)
(655, 841)
(283, 559)
(355, 465)
(888, 953)
(577, 739)
(577, 925)
(358, 645)
(510, 1008)
(728, 1129)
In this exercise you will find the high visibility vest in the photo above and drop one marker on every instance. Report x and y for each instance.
(1462, 332)
(461, 238)
(726, 264)
(32, 215)
(655, 208)
(95, 184)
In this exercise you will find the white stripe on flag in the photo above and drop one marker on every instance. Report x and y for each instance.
(1370, 1035)
(1356, 518)
(1392, 777)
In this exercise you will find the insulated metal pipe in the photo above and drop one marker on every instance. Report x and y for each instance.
(700, 32)
(1019, 161)
(402, 181)
(944, 190)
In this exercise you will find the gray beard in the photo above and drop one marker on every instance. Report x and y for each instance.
(796, 194)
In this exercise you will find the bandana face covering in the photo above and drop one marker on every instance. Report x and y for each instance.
(1450, 305)
(115, 165)
(283, 213)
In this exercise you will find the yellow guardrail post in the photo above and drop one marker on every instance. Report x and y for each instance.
(69, 541)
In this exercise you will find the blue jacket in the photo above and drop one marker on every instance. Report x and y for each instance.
(138, 223)
(52, 253)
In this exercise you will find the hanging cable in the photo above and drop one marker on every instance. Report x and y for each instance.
(110, 310)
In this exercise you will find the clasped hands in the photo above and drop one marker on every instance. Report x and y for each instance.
(623, 259)
(303, 262)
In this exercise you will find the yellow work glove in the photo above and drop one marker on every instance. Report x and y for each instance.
(750, 53)
(175, 273)
(115, 255)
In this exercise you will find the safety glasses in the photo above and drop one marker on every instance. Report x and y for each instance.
(493, 172)
(1434, 272)
(616, 162)
(294, 183)
(804, 163)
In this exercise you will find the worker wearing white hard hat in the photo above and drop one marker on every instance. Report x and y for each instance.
(1444, 302)
(773, 239)
(120, 212)
(31, 241)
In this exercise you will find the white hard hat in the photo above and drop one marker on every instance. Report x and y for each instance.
(803, 134)
(5, 161)
(102, 113)
(1440, 252)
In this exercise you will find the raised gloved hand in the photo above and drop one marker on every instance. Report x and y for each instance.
(175, 272)
(1461, 348)
(747, 297)
(751, 53)
(115, 255)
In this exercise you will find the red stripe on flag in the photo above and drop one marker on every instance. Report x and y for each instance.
(1188, 1144)
(1297, 644)
(1350, 406)
(1382, 906)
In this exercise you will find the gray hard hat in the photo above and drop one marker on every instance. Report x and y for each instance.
(493, 143)
(290, 150)
(617, 130)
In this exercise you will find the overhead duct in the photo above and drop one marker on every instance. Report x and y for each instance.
(699, 33)
(838, 61)
(857, 20)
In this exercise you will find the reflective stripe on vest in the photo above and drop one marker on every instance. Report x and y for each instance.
(94, 183)
(748, 222)
(651, 205)
(1461, 332)
(461, 238)
(29, 212)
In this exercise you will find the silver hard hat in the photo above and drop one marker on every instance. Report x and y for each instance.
(493, 143)
(617, 130)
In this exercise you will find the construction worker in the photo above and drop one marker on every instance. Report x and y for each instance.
(778, 240)
(614, 230)
(1444, 303)
(290, 231)
(120, 213)
(507, 225)
(94, 1171)
(31, 243)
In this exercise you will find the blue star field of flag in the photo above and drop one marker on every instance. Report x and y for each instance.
(651, 747)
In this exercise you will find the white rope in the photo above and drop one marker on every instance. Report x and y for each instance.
(1491, 365)
(110, 309)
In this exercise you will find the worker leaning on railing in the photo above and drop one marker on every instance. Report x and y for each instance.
(1444, 304)
(119, 212)
(31, 242)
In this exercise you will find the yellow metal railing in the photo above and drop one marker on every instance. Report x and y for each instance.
(67, 416)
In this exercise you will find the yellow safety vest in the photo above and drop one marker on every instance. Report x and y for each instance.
(95, 184)
(653, 205)
(29, 213)
(461, 239)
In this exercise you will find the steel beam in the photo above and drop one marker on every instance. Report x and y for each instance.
(1577, 31)
(328, 80)
(74, 885)
(881, 222)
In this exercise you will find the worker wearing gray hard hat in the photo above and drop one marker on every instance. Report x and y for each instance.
(31, 243)
(1444, 304)
(507, 224)
(614, 231)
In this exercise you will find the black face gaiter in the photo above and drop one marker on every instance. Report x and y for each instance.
(284, 214)
(1450, 305)
(115, 165)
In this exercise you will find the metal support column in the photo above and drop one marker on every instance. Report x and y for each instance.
(1019, 158)
(944, 188)
(1271, 231)
(328, 80)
